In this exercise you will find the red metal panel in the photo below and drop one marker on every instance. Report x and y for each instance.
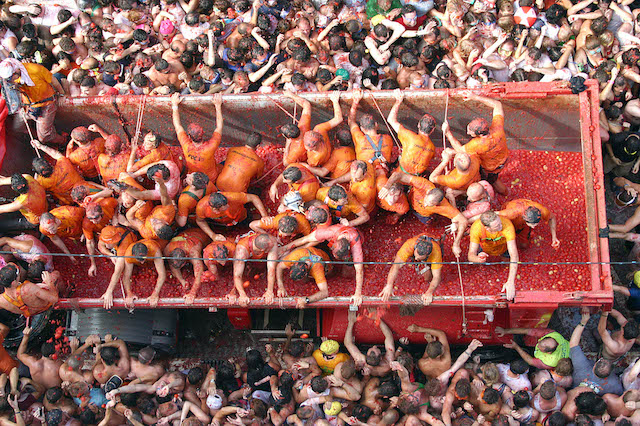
(240, 318)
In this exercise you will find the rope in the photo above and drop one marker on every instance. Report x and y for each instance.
(385, 120)
(26, 123)
(444, 136)
(464, 310)
(283, 109)
(141, 110)
(267, 174)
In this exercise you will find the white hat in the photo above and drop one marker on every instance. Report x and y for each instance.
(10, 66)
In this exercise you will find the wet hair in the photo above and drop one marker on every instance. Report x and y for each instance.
(220, 252)
(602, 368)
(348, 369)
(161, 65)
(19, 183)
(463, 388)
(292, 173)
(64, 15)
(427, 124)
(217, 200)
(630, 330)
(140, 35)
(298, 78)
(151, 171)
(87, 416)
(389, 84)
(623, 422)
(612, 112)
(195, 375)
(8, 274)
(259, 408)
(591, 404)
(296, 348)
(110, 355)
(532, 215)
(200, 180)
(177, 258)
(408, 59)
(253, 140)
(599, 25)
(424, 247)
(341, 249)
(196, 85)
(129, 399)
(263, 241)
(437, 194)
(336, 192)
(318, 215)
(287, 224)
(319, 384)
(521, 399)
(355, 58)
(388, 389)
(557, 419)
(290, 130)
(490, 395)
(362, 412)
(112, 67)
(519, 366)
(367, 122)
(254, 359)
(140, 251)
(323, 76)
(187, 59)
(548, 390)
(299, 270)
(381, 31)
(81, 134)
(66, 44)
(302, 54)
(53, 417)
(165, 232)
(631, 56)
(149, 405)
(518, 75)
(54, 394)
(42, 167)
(555, 14)
(35, 270)
(337, 42)
(373, 359)
(344, 138)
(192, 19)
(408, 404)
(564, 367)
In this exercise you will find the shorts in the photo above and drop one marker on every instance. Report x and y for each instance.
(492, 177)
(424, 219)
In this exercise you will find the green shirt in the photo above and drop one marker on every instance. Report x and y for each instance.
(373, 9)
(562, 351)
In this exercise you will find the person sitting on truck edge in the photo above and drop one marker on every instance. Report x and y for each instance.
(188, 243)
(423, 249)
(251, 246)
(493, 236)
(489, 142)
(526, 215)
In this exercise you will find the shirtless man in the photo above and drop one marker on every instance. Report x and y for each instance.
(293, 354)
(31, 202)
(162, 173)
(526, 215)
(112, 360)
(421, 248)
(241, 165)
(188, 243)
(71, 370)
(143, 369)
(253, 246)
(60, 179)
(199, 154)
(437, 356)
(171, 383)
(417, 148)
(465, 172)
(489, 142)
(345, 243)
(62, 222)
(164, 73)
(619, 342)
(623, 405)
(43, 370)
(82, 150)
(197, 186)
(26, 298)
(374, 363)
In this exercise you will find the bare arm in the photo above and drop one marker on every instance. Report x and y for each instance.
(577, 332)
(55, 154)
(255, 200)
(393, 114)
(397, 29)
(175, 101)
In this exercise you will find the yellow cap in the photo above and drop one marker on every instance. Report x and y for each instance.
(636, 278)
(329, 347)
(376, 20)
(332, 408)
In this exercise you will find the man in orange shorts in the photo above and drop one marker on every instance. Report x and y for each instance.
(188, 243)
(198, 186)
(317, 142)
(294, 150)
(216, 254)
(115, 158)
(114, 241)
(465, 172)
(428, 200)
(343, 205)
(417, 148)
(26, 298)
(225, 209)
(421, 248)
(252, 246)
(199, 154)
(299, 179)
(370, 145)
(362, 183)
(285, 226)
(345, 243)
(97, 215)
(302, 263)
(489, 142)
(493, 235)
(59, 179)
(62, 222)
(83, 150)
(526, 215)
(241, 165)
(141, 253)
(31, 202)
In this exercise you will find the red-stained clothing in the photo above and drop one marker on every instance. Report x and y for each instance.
(417, 151)
(322, 152)
(34, 202)
(333, 233)
(247, 242)
(307, 185)
(461, 181)
(234, 214)
(374, 151)
(111, 167)
(241, 165)
(297, 152)
(492, 148)
(187, 240)
(62, 180)
(339, 163)
(420, 187)
(119, 237)
(6, 362)
(109, 206)
(165, 213)
(514, 209)
(188, 200)
(84, 157)
(154, 248)
(71, 218)
(313, 255)
(200, 157)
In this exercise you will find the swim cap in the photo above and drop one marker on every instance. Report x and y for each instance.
(333, 408)
(342, 73)
(636, 278)
(214, 402)
(329, 347)
(166, 27)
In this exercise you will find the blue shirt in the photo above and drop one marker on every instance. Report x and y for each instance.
(583, 373)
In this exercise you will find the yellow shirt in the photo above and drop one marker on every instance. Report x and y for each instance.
(328, 365)
(42, 89)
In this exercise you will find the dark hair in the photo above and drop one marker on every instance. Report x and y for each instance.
(87, 416)
(389, 84)
(254, 139)
(290, 130)
(463, 388)
(296, 348)
(599, 25)
(53, 417)
(557, 419)
(195, 375)
(548, 390)
(318, 215)
(19, 183)
(298, 79)
(424, 247)
(217, 200)
(66, 44)
(110, 355)
(140, 35)
(591, 404)
(292, 173)
(139, 250)
(151, 171)
(336, 192)
(362, 412)
(381, 31)
(388, 389)
(161, 65)
(8, 274)
(602, 368)
(299, 270)
(200, 180)
(287, 224)
(112, 67)
(631, 330)
(521, 399)
(490, 395)
(165, 232)
(177, 258)
(355, 58)
(302, 54)
(319, 384)
(54, 394)
(254, 359)
(373, 359)
(42, 166)
(518, 366)
(35, 270)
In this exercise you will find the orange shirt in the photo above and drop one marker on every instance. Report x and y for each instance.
(242, 164)
(312, 254)
(62, 180)
(6, 362)
(164, 213)
(400, 207)
(417, 151)
(207, 253)
(297, 152)
(188, 200)
(321, 154)
(247, 243)
(365, 190)
(41, 89)
(71, 218)
(493, 243)
(200, 157)
(339, 163)
(109, 206)
(235, 212)
(513, 210)
(153, 246)
(271, 223)
(492, 149)
(84, 157)
(351, 209)
(187, 240)
(461, 181)
(308, 184)
(161, 153)
(420, 187)
(34, 202)
(405, 254)
(366, 151)
(111, 167)
(119, 237)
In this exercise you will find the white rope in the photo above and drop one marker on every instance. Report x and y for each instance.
(141, 109)
(464, 310)
(444, 135)
(385, 120)
(26, 123)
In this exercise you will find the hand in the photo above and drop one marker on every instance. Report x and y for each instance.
(334, 381)
(288, 330)
(585, 315)
(386, 294)
(467, 406)
(344, 221)
(555, 243)
(413, 329)
(356, 299)
(356, 96)
(93, 128)
(456, 250)
(268, 297)
(427, 298)
(273, 193)
(13, 402)
(276, 394)
(512, 345)
(481, 420)
(107, 297)
(93, 271)
(483, 257)
(74, 344)
(404, 341)
(189, 298)
(217, 99)
(300, 365)
(445, 127)
(301, 302)
(499, 331)
(636, 168)
(630, 405)
(129, 301)
(93, 339)
(383, 192)
(176, 99)
(475, 344)
(26, 331)
(243, 300)
(515, 414)
(334, 96)
(510, 288)
(398, 95)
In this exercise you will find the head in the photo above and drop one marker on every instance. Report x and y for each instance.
(434, 197)
(341, 250)
(329, 349)
(630, 330)
(42, 167)
(146, 355)
(290, 131)
(521, 399)
(338, 195)
(564, 367)
(53, 417)
(218, 202)
(423, 249)
(408, 403)
(140, 251)
(8, 275)
(358, 170)
(368, 123)
(195, 376)
(490, 373)
(93, 212)
(374, 356)
(319, 384)
(287, 225)
(264, 242)
(292, 174)
(490, 395)
(19, 183)
(518, 366)
(491, 221)
(81, 134)
(348, 369)
(434, 349)
(113, 145)
(547, 345)
(602, 368)
(317, 215)
(478, 127)
(548, 390)
(49, 223)
(427, 124)
(54, 394)
(253, 140)
(462, 161)
(312, 140)
(532, 216)
(590, 404)
(362, 412)
(151, 141)
(299, 270)
(220, 254)
(110, 355)
(463, 388)
(388, 389)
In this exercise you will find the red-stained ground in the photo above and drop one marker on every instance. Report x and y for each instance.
(553, 178)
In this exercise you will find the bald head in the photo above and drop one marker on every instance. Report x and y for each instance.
(462, 161)
(475, 192)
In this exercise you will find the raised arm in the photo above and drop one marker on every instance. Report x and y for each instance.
(397, 29)
(493, 103)
(393, 114)
(356, 97)
(175, 101)
(22, 355)
(349, 342)
(389, 343)
(577, 332)
(53, 153)
(337, 112)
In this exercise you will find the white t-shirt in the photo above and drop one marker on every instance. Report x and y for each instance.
(516, 384)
